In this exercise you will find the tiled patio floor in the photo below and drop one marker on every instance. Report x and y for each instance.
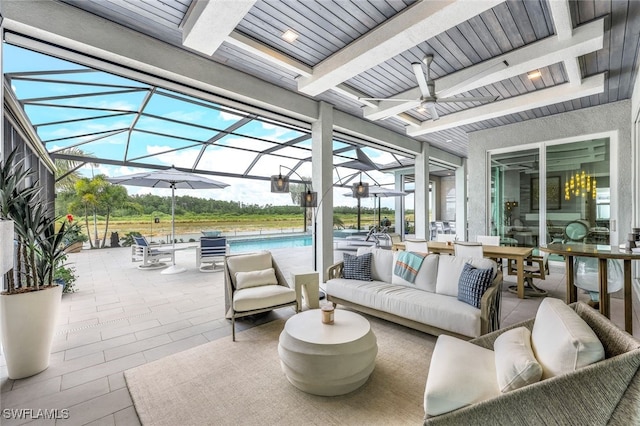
(122, 317)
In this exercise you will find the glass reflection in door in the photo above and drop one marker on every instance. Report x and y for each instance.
(515, 200)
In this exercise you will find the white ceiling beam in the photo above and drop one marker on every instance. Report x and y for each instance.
(263, 51)
(210, 21)
(271, 55)
(561, 15)
(420, 22)
(586, 39)
(552, 95)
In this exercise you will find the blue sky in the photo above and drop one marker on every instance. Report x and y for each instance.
(159, 141)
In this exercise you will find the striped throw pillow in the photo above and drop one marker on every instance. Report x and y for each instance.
(472, 284)
(357, 267)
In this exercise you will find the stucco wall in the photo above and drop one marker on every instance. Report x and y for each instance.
(588, 121)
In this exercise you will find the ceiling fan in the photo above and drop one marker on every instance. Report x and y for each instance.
(427, 86)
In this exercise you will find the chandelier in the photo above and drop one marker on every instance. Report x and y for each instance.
(580, 185)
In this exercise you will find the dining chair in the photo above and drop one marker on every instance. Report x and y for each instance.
(443, 238)
(468, 249)
(416, 246)
(491, 240)
(534, 267)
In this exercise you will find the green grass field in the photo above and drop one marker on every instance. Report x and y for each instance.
(187, 224)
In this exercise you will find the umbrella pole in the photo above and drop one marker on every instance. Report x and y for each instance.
(173, 269)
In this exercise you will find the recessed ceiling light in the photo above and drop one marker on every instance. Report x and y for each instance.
(290, 36)
(534, 74)
(448, 140)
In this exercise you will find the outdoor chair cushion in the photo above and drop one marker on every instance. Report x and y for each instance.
(256, 278)
(247, 263)
(264, 296)
(562, 341)
(460, 374)
(516, 365)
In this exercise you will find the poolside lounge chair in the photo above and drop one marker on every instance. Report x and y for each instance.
(210, 254)
(152, 258)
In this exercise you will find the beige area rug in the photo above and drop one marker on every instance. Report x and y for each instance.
(242, 383)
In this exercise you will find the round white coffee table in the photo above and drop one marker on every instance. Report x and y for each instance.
(327, 359)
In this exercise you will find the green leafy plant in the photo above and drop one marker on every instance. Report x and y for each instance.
(65, 275)
(127, 240)
(74, 232)
(40, 248)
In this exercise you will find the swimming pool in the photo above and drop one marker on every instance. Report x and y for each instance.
(267, 243)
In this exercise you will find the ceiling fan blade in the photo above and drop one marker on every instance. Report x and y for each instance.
(389, 99)
(432, 112)
(470, 99)
(422, 81)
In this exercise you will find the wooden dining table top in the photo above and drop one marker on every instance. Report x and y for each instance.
(488, 251)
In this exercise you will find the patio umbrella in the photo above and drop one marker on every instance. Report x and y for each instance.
(377, 192)
(174, 179)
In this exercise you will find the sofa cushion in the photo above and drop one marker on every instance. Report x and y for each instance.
(460, 374)
(427, 274)
(381, 263)
(516, 366)
(357, 267)
(472, 284)
(248, 262)
(256, 278)
(437, 310)
(450, 268)
(562, 341)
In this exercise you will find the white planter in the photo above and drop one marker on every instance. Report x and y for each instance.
(28, 324)
(6, 245)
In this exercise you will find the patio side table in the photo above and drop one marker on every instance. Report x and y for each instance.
(308, 284)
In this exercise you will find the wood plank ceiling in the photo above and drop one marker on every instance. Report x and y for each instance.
(586, 52)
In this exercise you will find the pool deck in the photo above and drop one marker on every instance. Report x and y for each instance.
(122, 317)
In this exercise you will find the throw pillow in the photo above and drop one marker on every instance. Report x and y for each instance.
(357, 267)
(256, 278)
(562, 341)
(472, 284)
(516, 366)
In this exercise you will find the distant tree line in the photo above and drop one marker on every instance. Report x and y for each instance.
(97, 195)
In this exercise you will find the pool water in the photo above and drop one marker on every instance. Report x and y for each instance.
(267, 243)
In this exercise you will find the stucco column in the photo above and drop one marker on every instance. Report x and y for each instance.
(461, 202)
(421, 195)
(322, 175)
(399, 204)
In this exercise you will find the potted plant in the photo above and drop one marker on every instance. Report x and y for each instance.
(74, 237)
(30, 300)
(65, 276)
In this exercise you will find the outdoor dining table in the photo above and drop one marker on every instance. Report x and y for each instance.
(602, 253)
(519, 254)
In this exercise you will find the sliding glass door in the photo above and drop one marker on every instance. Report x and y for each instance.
(555, 192)
(514, 197)
(578, 192)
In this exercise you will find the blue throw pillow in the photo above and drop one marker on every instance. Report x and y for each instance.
(357, 267)
(473, 283)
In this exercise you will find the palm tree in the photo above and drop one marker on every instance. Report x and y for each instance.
(88, 196)
(112, 196)
(66, 170)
